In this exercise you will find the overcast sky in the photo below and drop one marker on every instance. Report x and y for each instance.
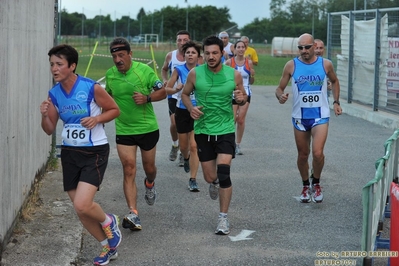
(242, 12)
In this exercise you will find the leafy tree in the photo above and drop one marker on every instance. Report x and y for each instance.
(289, 18)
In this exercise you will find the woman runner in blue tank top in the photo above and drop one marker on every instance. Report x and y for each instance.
(184, 122)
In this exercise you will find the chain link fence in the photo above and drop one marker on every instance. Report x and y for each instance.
(364, 48)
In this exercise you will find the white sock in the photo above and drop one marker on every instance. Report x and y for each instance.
(175, 143)
(107, 220)
(222, 214)
(104, 242)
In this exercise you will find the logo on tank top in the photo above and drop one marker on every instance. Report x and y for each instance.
(74, 109)
(81, 96)
(312, 80)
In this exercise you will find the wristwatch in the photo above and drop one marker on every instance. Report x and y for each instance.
(336, 102)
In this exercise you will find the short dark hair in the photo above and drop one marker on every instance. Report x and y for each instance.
(189, 44)
(68, 52)
(211, 40)
(183, 32)
(120, 40)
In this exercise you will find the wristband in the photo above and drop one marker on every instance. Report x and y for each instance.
(148, 98)
(336, 102)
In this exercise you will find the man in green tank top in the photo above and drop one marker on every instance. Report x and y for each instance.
(213, 85)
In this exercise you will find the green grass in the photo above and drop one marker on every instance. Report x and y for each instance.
(268, 70)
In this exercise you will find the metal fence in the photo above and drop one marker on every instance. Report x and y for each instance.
(375, 196)
(364, 48)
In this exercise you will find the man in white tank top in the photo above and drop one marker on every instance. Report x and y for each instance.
(228, 47)
(308, 74)
(172, 59)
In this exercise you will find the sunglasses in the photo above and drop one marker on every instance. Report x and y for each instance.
(307, 47)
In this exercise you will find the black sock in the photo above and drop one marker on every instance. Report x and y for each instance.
(306, 182)
(315, 180)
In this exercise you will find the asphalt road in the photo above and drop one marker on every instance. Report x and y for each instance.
(271, 226)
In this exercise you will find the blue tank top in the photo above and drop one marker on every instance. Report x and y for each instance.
(182, 71)
(309, 89)
(245, 73)
(72, 107)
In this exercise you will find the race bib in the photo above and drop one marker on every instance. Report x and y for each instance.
(310, 99)
(75, 135)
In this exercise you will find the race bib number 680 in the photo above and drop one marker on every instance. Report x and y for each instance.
(310, 99)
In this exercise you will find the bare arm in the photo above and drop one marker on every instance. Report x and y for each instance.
(334, 85)
(255, 58)
(49, 116)
(171, 82)
(239, 93)
(285, 78)
(110, 109)
(195, 111)
(252, 72)
(188, 89)
(165, 67)
(232, 50)
(156, 95)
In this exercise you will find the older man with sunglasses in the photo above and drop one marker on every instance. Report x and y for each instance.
(308, 74)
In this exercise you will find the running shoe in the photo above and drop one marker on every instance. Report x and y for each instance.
(112, 232)
(181, 160)
(192, 185)
(238, 150)
(105, 256)
(150, 194)
(214, 190)
(305, 194)
(132, 222)
(186, 165)
(223, 227)
(317, 195)
(173, 153)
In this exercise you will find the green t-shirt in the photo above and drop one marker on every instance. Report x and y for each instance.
(134, 119)
(213, 91)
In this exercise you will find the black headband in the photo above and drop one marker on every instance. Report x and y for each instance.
(120, 48)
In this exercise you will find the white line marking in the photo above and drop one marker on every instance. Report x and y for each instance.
(242, 235)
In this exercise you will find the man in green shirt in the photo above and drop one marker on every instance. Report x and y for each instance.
(134, 86)
(213, 85)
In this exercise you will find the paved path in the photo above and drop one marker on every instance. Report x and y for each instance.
(178, 229)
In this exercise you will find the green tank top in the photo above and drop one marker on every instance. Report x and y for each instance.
(213, 91)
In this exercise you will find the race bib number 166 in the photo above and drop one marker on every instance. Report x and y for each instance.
(75, 135)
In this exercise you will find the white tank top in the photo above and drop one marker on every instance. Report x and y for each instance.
(172, 64)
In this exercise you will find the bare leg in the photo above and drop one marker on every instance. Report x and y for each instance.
(127, 155)
(89, 212)
(240, 120)
(319, 138)
(173, 130)
(302, 140)
(210, 174)
(148, 159)
(194, 161)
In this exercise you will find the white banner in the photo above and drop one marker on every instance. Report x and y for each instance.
(393, 66)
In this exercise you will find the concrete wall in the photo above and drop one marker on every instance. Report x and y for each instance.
(26, 30)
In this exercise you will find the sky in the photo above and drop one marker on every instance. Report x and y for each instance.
(241, 12)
